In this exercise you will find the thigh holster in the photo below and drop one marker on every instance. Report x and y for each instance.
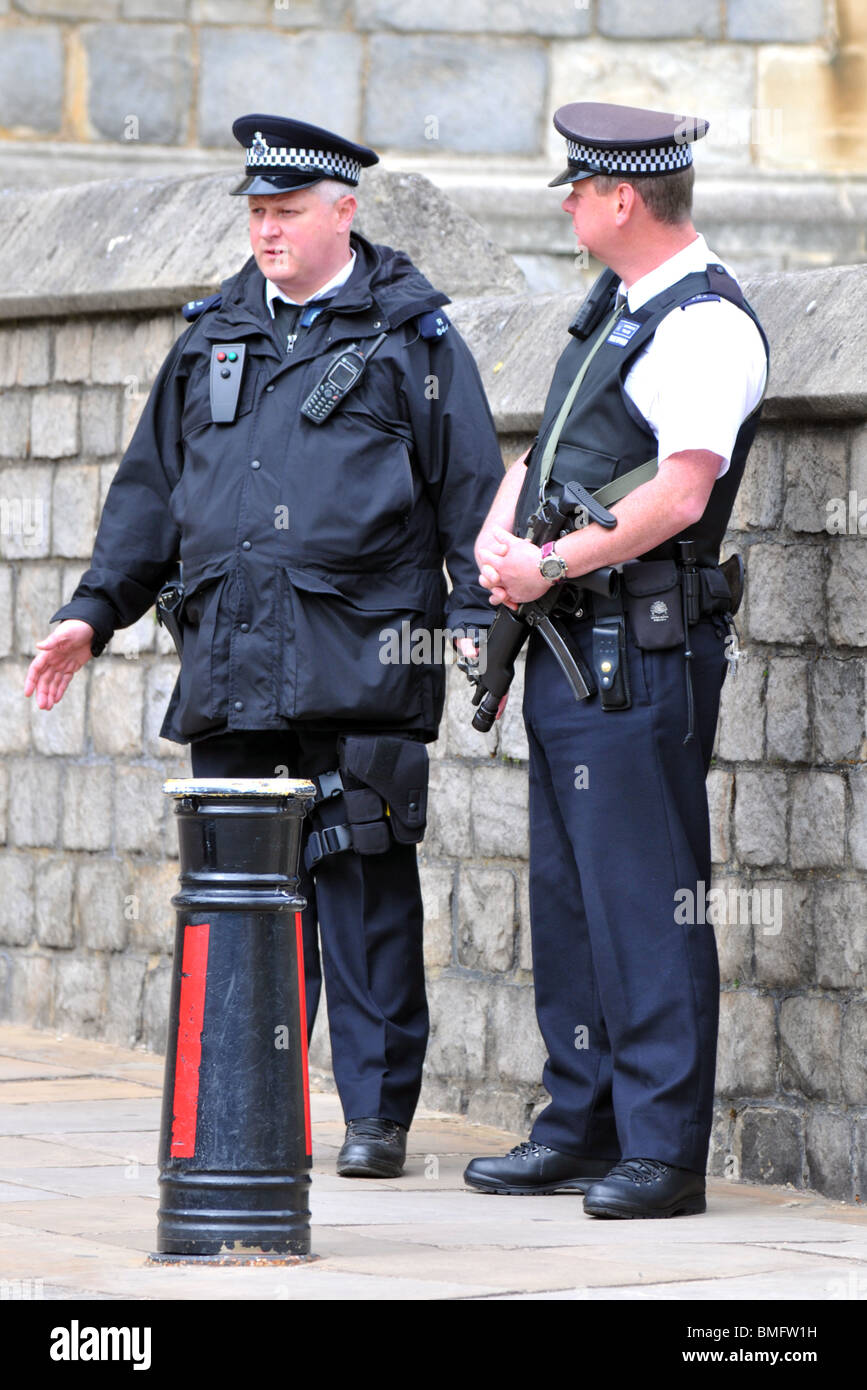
(381, 782)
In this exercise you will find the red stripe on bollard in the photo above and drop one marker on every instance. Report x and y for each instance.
(302, 1004)
(191, 1017)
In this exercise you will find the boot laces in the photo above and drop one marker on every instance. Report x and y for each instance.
(528, 1149)
(641, 1170)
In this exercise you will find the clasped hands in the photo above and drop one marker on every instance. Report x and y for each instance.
(510, 568)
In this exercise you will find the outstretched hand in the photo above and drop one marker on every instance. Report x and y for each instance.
(58, 658)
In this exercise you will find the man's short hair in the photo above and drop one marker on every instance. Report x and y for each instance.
(330, 190)
(668, 197)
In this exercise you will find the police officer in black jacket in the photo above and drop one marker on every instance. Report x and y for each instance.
(316, 444)
(653, 408)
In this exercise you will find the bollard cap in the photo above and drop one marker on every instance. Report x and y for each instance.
(280, 787)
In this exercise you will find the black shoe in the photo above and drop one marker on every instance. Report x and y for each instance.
(534, 1168)
(372, 1148)
(646, 1187)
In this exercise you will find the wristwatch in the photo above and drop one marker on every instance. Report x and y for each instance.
(552, 566)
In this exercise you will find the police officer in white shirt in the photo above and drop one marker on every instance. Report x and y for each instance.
(652, 409)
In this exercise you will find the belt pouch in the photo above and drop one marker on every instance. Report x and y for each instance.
(653, 601)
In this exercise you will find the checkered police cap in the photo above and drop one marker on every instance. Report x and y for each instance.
(605, 139)
(283, 155)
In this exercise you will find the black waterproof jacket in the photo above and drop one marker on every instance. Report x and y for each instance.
(303, 544)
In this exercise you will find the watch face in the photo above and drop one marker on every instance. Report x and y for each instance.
(552, 567)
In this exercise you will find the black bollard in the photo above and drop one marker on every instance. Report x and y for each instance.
(235, 1148)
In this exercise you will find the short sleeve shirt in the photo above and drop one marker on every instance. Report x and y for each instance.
(704, 370)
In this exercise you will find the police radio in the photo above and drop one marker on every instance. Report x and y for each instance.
(340, 377)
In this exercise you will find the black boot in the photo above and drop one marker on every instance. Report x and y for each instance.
(646, 1187)
(373, 1148)
(532, 1167)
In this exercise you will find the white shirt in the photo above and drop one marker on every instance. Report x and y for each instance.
(703, 371)
(272, 291)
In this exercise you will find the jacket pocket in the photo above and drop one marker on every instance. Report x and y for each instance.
(361, 647)
(204, 678)
(572, 464)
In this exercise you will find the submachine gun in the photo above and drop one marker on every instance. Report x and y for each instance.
(511, 628)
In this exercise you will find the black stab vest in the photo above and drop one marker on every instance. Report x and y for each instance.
(605, 435)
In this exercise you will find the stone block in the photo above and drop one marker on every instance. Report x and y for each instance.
(132, 407)
(311, 14)
(100, 422)
(783, 933)
(787, 703)
(775, 21)
(155, 1007)
(140, 810)
(16, 901)
(449, 825)
(525, 942)
(417, 94)
(131, 642)
(759, 501)
(54, 425)
(829, 1154)
(123, 1001)
(9, 338)
(149, 911)
(4, 803)
(645, 19)
(732, 927)
(73, 340)
(760, 817)
(810, 1047)
(61, 729)
(101, 903)
(857, 470)
(130, 350)
(139, 78)
(818, 828)
(716, 80)
(15, 424)
(516, 1051)
(838, 710)
(542, 17)
(784, 589)
(245, 67)
(815, 474)
(499, 806)
(34, 813)
(70, 9)
(437, 889)
(74, 510)
(155, 9)
(32, 991)
(107, 473)
(159, 684)
(462, 740)
(747, 1051)
(31, 79)
(853, 1052)
(722, 1161)
(54, 880)
(769, 1142)
(80, 991)
(720, 793)
(458, 1027)
(25, 512)
(87, 807)
(7, 621)
(37, 597)
(858, 821)
(847, 584)
(486, 918)
(14, 713)
(513, 733)
(33, 353)
(116, 700)
(231, 11)
(742, 712)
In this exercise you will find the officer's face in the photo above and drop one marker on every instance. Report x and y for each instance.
(591, 214)
(299, 240)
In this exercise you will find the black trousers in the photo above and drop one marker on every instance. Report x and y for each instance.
(626, 978)
(369, 914)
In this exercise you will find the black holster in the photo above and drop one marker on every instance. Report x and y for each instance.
(382, 783)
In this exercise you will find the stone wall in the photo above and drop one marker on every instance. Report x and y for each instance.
(464, 91)
(88, 863)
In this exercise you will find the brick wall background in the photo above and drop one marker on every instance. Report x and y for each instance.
(88, 844)
(463, 90)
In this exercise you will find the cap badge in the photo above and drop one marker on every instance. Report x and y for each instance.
(260, 146)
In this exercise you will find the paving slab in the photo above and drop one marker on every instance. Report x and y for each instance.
(79, 1125)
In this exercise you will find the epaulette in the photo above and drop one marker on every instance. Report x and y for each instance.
(194, 307)
(433, 324)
